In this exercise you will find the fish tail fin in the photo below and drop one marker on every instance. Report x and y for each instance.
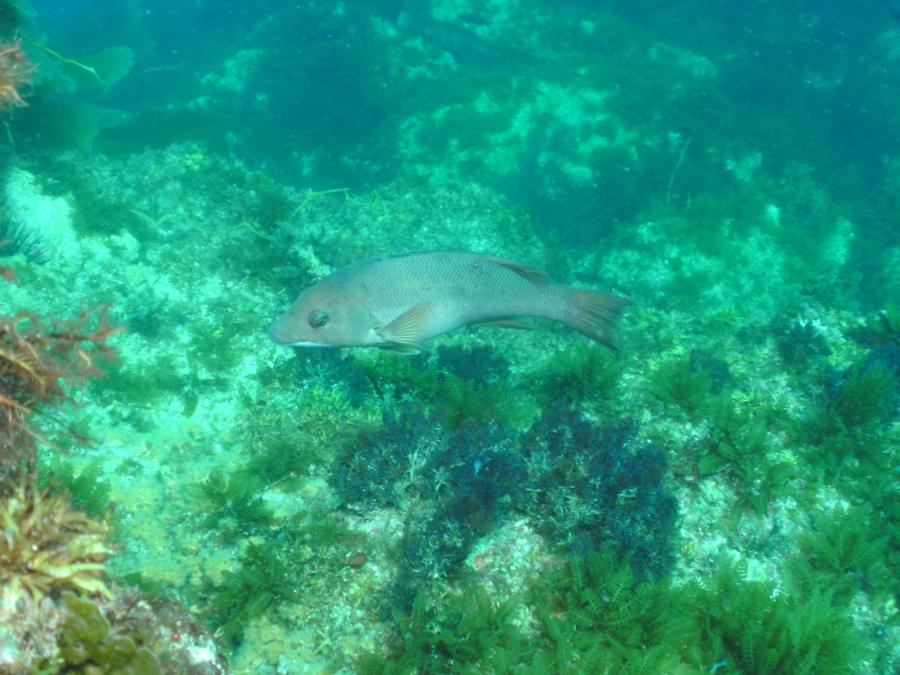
(596, 315)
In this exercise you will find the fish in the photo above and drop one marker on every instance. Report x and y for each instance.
(398, 302)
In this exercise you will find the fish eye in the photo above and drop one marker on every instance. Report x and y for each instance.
(318, 318)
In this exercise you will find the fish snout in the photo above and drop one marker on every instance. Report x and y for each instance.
(279, 332)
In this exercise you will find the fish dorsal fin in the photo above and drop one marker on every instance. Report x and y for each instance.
(533, 274)
(407, 329)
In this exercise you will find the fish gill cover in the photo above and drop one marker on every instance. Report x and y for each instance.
(718, 496)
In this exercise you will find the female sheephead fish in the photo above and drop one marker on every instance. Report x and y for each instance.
(399, 301)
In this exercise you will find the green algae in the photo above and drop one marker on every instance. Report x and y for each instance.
(846, 554)
(89, 645)
(882, 328)
(679, 383)
(88, 487)
(592, 614)
(582, 373)
(864, 397)
(457, 401)
(760, 631)
(269, 577)
(738, 443)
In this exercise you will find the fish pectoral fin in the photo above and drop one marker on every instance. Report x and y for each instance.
(505, 323)
(409, 327)
(531, 273)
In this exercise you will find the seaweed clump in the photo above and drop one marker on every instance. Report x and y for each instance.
(15, 239)
(36, 360)
(846, 553)
(881, 329)
(453, 484)
(270, 577)
(843, 430)
(15, 75)
(582, 372)
(47, 545)
(680, 382)
(476, 481)
(866, 393)
(58, 611)
(450, 456)
(582, 486)
(800, 344)
(592, 614)
(590, 486)
(88, 641)
(752, 627)
(738, 445)
(463, 387)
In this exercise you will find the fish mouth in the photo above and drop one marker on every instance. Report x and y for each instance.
(308, 343)
(280, 339)
(275, 335)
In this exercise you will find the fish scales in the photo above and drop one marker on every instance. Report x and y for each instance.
(469, 287)
(397, 302)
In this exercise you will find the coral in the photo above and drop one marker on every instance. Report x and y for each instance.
(46, 546)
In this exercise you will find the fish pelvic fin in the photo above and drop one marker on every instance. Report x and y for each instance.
(596, 315)
(409, 328)
(397, 348)
(505, 323)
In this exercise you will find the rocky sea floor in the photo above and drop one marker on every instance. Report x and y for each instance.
(216, 446)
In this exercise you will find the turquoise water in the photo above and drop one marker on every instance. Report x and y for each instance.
(716, 495)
